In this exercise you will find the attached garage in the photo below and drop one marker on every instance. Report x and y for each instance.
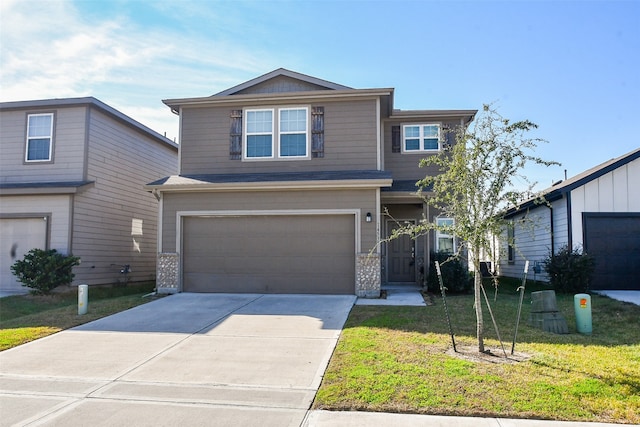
(613, 239)
(19, 236)
(269, 253)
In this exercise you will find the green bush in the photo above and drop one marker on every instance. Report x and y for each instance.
(43, 270)
(455, 275)
(569, 270)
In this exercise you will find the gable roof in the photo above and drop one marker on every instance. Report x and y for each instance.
(311, 82)
(557, 190)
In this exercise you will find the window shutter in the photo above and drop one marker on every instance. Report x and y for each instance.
(395, 139)
(317, 132)
(235, 135)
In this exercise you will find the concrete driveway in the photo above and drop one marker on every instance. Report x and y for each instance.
(187, 359)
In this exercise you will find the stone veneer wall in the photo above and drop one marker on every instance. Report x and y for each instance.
(368, 276)
(167, 277)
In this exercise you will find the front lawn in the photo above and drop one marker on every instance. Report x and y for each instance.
(24, 318)
(400, 359)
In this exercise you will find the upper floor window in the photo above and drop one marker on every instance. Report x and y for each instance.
(39, 137)
(277, 133)
(421, 137)
(445, 242)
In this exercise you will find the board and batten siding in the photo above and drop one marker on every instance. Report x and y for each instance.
(115, 221)
(616, 191)
(68, 146)
(363, 199)
(57, 207)
(350, 140)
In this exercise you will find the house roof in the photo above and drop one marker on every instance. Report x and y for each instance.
(61, 187)
(311, 89)
(278, 73)
(557, 190)
(92, 102)
(249, 181)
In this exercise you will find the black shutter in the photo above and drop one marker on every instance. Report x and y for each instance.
(395, 139)
(235, 135)
(317, 132)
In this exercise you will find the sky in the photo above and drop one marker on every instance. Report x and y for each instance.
(571, 67)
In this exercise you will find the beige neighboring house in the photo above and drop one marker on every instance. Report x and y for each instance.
(72, 179)
(283, 185)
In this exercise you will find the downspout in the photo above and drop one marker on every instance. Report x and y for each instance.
(553, 245)
(569, 223)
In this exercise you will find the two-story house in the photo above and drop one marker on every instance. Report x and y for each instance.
(72, 175)
(288, 183)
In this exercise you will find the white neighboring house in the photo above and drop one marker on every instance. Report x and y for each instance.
(597, 211)
(71, 179)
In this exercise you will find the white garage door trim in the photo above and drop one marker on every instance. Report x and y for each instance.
(180, 215)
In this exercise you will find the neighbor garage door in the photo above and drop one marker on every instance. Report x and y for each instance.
(19, 236)
(614, 241)
(269, 253)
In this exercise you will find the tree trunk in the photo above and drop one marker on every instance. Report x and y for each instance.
(477, 283)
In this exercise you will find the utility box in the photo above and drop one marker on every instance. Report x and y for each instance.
(582, 306)
(544, 313)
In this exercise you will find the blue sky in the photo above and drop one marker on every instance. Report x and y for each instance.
(572, 67)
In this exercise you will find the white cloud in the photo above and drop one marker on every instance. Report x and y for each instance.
(52, 51)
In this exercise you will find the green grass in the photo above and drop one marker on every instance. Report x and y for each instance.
(399, 359)
(24, 318)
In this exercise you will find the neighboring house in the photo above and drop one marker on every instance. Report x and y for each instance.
(283, 187)
(72, 179)
(597, 211)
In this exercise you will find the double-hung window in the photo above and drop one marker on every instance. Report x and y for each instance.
(420, 137)
(445, 241)
(281, 133)
(39, 137)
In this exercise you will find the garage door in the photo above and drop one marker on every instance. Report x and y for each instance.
(18, 236)
(269, 254)
(614, 241)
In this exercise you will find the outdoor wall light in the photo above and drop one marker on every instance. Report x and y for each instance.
(368, 217)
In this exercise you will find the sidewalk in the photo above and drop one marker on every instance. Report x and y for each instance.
(370, 419)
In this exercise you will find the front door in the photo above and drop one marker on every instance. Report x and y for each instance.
(401, 266)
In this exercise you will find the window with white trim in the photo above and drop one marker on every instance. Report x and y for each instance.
(39, 137)
(281, 133)
(421, 137)
(445, 242)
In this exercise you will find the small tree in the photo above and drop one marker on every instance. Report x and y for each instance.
(43, 270)
(569, 270)
(476, 184)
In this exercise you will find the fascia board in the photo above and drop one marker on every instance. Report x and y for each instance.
(277, 97)
(282, 185)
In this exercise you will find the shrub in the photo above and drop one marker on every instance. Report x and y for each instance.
(455, 275)
(569, 270)
(43, 270)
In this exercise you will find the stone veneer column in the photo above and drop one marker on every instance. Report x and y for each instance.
(368, 275)
(167, 276)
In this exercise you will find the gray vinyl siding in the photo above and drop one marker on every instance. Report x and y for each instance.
(68, 146)
(106, 217)
(349, 134)
(406, 166)
(362, 199)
